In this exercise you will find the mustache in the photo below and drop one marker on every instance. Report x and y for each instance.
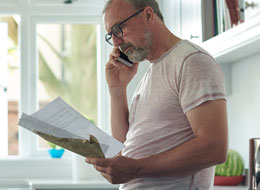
(124, 46)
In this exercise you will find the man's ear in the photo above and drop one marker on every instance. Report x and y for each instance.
(149, 15)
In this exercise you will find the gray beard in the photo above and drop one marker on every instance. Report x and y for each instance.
(138, 54)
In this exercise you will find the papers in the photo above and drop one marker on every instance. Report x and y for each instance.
(62, 125)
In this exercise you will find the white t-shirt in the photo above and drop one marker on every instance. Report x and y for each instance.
(182, 79)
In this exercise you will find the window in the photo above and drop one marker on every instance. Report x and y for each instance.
(9, 84)
(67, 66)
(61, 45)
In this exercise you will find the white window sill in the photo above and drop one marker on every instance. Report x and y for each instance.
(57, 184)
(35, 168)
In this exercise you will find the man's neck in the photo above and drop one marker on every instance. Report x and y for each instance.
(163, 44)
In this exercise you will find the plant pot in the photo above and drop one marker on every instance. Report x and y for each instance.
(56, 153)
(228, 181)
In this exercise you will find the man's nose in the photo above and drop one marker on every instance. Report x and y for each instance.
(116, 41)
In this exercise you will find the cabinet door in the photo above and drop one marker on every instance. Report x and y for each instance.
(191, 28)
(252, 8)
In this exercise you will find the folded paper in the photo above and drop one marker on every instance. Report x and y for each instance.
(62, 125)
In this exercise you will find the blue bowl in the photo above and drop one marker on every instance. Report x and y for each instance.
(56, 153)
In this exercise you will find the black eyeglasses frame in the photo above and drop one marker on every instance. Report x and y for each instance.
(108, 36)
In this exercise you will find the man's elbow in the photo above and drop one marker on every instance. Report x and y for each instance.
(222, 158)
(221, 155)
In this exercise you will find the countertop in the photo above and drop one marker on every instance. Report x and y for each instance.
(70, 184)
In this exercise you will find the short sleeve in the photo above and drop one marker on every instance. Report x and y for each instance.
(201, 79)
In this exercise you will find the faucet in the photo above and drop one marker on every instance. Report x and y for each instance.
(254, 164)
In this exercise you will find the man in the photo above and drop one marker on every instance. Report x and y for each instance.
(176, 128)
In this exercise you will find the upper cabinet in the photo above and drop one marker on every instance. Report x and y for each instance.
(228, 29)
(191, 20)
(236, 43)
(184, 18)
(239, 40)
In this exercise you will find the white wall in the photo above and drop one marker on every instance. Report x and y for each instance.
(244, 104)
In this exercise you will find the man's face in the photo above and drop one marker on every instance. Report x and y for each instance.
(137, 39)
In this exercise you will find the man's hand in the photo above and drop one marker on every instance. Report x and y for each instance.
(118, 74)
(116, 170)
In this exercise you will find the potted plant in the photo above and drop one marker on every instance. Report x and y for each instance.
(231, 171)
(55, 151)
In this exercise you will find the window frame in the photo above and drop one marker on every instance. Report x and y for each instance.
(30, 15)
(10, 2)
(61, 2)
(64, 20)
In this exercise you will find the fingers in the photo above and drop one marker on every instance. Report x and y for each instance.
(100, 169)
(98, 161)
(113, 58)
(101, 165)
(114, 62)
(115, 52)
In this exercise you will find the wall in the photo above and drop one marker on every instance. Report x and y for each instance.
(244, 104)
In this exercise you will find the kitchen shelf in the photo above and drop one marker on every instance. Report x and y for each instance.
(236, 43)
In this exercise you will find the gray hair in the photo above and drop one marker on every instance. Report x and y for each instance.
(140, 4)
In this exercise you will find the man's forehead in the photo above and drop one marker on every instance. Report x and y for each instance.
(117, 11)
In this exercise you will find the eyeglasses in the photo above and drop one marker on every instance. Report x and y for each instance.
(117, 31)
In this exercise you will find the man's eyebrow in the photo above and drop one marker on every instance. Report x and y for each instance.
(116, 24)
(113, 26)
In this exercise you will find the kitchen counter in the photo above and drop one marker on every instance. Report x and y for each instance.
(69, 184)
(55, 184)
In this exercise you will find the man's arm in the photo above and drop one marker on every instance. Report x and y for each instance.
(118, 76)
(119, 113)
(207, 148)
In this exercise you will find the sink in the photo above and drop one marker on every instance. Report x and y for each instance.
(11, 184)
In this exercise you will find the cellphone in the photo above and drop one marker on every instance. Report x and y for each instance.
(124, 59)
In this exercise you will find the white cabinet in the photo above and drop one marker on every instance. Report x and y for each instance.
(183, 18)
(196, 23)
(227, 47)
(191, 25)
(236, 43)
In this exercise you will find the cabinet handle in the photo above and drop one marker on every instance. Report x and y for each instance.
(69, 1)
(192, 37)
(250, 5)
